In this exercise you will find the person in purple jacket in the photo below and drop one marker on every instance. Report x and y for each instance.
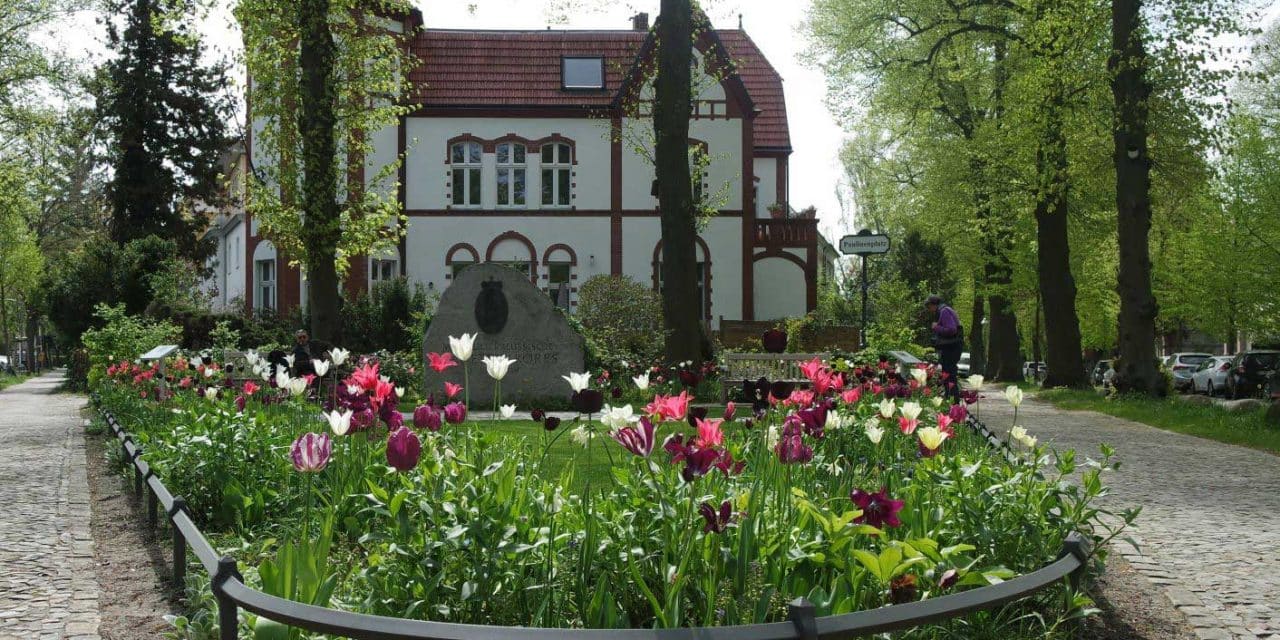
(948, 340)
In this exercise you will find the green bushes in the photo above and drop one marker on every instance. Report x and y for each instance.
(392, 316)
(122, 337)
(621, 320)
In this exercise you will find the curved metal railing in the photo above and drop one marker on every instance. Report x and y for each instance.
(233, 594)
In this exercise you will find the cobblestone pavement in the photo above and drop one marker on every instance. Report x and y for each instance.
(1209, 531)
(48, 587)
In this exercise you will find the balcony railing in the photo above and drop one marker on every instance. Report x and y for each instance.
(788, 232)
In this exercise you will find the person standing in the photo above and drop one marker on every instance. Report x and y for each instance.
(948, 340)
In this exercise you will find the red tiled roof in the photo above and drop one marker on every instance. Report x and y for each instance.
(522, 68)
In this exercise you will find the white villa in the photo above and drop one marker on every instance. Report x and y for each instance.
(523, 151)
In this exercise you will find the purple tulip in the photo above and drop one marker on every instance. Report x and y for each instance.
(587, 401)
(551, 423)
(791, 448)
(774, 341)
(814, 420)
(426, 417)
(636, 439)
(538, 415)
(363, 419)
(717, 520)
(455, 413)
(878, 510)
(696, 414)
(240, 403)
(394, 419)
(697, 462)
(403, 449)
(958, 413)
(310, 452)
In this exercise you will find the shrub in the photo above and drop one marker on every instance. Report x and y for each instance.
(621, 318)
(388, 317)
(123, 337)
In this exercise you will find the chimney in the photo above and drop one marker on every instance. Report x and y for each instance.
(640, 22)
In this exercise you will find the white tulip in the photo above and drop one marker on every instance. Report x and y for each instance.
(354, 389)
(642, 381)
(339, 422)
(582, 436)
(578, 381)
(1018, 433)
(887, 408)
(1022, 437)
(931, 437)
(297, 386)
(266, 375)
(400, 392)
(462, 347)
(975, 382)
(771, 437)
(321, 367)
(874, 434)
(208, 372)
(385, 379)
(211, 393)
(618, 417)
(1013, 394)
(937, 402)
(911, 410)
(282, 379)
(871, 423)
(338, 356)
(506, 411)
(290, 359)
(196, 362)
(251, 357)
(497, 366)
(920, 375)
(835, 421)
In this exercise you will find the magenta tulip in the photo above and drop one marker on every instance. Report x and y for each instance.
(455, 413)
(878, 510)
(637, 439)
(403, 449)
(427, 417)
(310, 452)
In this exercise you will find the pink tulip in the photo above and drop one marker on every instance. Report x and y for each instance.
(426, 417)
(310, 452)
(709, 433)
(730, 410)
(451, 389)
(403, 449)
(455, 413)
(907, 426)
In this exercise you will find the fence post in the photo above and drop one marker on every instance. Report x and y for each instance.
(179, 546)
(801, 613)
(228, 617)
(1076, 545)
(153, 503)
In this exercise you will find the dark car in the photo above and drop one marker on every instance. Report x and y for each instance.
(1099, 370)
(1250, 373)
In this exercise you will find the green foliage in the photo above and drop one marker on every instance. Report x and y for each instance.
(390, 316)
(103, 272)
(122, 337)
(163, 112)
(621, 319)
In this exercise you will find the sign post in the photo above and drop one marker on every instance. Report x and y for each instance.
(863, 244)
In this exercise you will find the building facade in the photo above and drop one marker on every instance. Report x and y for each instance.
(533, 149)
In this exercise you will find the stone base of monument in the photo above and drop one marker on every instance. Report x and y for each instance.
(512, 318)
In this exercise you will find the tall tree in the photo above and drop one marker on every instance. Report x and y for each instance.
(1137, 369)
(672, 108)
(324, 75)
(20, 258)
(163, 110)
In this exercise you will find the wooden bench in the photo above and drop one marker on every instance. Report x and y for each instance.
(775, 367)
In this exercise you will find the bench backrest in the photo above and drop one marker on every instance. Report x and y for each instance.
(774, 366)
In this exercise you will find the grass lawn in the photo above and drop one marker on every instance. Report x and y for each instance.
(1246, 429)
(8, 380)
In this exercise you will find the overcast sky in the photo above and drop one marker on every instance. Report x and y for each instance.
(816, 174)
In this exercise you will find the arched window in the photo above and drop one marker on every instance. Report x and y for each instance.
(511, 174)
(464, 158)
(557, 167)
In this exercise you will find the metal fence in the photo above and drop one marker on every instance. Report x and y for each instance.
(233, 594)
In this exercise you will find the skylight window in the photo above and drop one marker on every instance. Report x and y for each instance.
(582, 73)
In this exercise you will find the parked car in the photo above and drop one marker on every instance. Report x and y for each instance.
(962, 367)
(1182, 366)
(5, 366)
(1099, 370)
(1033, 371)
(1249, 373)
(1211, 376)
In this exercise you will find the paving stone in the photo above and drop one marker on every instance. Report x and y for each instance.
(48, 588)
(1210, 522)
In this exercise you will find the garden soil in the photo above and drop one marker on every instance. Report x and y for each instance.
(133, 571)
(1133, 608)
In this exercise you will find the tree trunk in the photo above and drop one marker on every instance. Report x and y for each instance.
(1004, 353)
(316, 125)
(671, 113)
(1057, 286)
(977, 333)
(1136, 366)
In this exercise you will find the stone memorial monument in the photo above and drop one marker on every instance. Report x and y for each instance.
(513, 318)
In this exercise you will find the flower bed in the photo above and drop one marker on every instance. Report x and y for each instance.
(859, 491)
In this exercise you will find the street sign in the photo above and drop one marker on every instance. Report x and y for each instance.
(864, 245)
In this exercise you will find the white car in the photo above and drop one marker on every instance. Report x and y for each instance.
(962, 367)
(1211, 376)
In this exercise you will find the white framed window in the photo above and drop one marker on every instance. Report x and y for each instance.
(582, 72)
(383, 269)
(264, 275)
(464, 158)
(511, 175)
(557, 169)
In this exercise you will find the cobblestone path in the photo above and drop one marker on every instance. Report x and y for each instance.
(1209, 531)
(48, 588)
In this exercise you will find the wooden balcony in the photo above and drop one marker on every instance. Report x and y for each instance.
(786, 232)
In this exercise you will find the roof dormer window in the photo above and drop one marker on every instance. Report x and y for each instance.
(582, 72)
